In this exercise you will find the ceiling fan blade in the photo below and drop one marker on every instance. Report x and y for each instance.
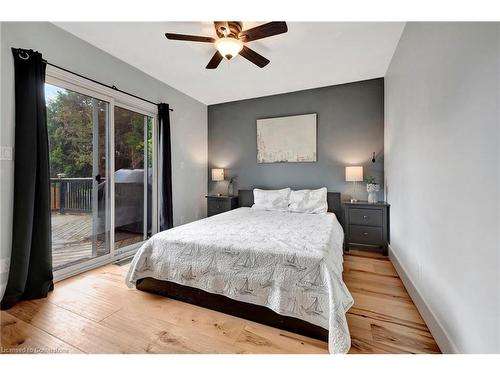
(263, 31)
(254, 57)
(190, 38)
(214, 61)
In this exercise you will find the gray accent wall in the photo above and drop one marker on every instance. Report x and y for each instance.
(350, 129)
(188, 121)
(442, 171)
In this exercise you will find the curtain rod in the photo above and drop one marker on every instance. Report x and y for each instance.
(113, 87)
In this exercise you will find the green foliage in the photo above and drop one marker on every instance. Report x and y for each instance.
(70, 130)
(129, 139)
(69, 125)
(370, 180)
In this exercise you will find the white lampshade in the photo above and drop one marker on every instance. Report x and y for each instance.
(354, 174)
(217, 174)
(228, 47)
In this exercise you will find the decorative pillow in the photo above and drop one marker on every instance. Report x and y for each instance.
(271, 199)
(309, 201)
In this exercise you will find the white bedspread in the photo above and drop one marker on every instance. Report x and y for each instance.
(289, 262)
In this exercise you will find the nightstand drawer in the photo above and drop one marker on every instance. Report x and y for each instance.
(365, 235)
(217, 206)
(363, 216)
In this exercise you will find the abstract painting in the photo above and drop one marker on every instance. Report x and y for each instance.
(290, 139)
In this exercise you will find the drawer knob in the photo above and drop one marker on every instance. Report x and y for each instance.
(365, 217)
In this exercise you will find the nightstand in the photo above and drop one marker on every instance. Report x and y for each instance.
(367, 224)
(217, 204)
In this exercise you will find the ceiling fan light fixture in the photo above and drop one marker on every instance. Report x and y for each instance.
(228, 47)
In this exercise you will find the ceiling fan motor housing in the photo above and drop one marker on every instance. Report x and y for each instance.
(229, 29)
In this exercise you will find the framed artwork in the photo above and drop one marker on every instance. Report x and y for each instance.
(290, 139)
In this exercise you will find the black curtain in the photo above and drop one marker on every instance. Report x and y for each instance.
(30, 273)
(165, 168)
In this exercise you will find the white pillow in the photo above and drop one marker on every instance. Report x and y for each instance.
(309, 201)
(271, 199)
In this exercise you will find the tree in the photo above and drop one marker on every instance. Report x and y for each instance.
(70, 130)
(69, 124)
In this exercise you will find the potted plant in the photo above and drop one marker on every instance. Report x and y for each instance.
(372, 188)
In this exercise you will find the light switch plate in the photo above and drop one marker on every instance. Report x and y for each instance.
(4, 265)
(5, 153)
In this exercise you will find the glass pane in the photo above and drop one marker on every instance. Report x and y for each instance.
(133, 143)
(77, 126)
(149, 152)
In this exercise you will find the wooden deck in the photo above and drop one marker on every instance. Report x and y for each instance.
(72, 239)
(96, 313)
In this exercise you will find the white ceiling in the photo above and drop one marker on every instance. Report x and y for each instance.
(310, 54)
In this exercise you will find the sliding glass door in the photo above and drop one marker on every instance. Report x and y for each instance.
(78, 132)
(103, 180)
(133, 177)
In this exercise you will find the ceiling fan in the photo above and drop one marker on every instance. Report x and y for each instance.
(231, 40)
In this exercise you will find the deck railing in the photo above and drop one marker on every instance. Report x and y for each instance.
(71, 194)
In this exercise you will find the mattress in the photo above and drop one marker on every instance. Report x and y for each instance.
(288, 262)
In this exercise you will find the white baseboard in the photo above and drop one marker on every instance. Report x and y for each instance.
(443, 340)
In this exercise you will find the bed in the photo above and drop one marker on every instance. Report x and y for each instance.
(278, 268)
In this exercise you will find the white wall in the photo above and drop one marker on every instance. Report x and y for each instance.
(442, 169)
(188, 121)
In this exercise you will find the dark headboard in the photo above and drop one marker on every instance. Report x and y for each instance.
(245, 199)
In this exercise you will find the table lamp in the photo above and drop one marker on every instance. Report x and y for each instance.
(354, 174)
(217, 175)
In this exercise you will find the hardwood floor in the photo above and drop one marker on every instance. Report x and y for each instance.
(96, 313)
